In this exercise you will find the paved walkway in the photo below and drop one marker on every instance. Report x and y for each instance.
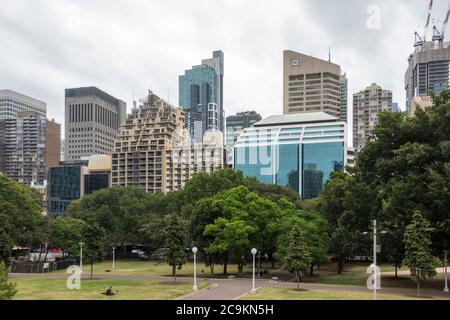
(232, 289)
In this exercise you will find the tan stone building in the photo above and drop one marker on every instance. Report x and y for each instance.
(52, 144)
(153, 151)
(366, 106)
(310, 85)
(139, 158)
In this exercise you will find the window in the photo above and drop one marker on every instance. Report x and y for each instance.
(295, 62)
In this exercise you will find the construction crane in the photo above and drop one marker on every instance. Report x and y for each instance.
(419, 41)
(440, 35)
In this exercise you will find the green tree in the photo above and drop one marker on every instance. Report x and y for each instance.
(66, 234)
(120, 211)
(94, 242)
(21, 215)
(6, 242)
(175, 244)
(7, 289)
(298, 259)
(315, 231)
(417, 250)
(231, 238)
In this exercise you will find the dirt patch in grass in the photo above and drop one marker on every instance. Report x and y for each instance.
(300, 290)
(171, 283)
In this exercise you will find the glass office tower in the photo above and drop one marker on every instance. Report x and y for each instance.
(298, 151)
(201, 97)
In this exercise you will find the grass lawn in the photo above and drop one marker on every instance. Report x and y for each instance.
(355, 274)
(155, 268)
(55, 289)
(291, 294)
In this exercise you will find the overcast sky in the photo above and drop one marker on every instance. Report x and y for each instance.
(125, 46)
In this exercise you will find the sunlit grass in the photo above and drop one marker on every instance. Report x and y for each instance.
(55, 289)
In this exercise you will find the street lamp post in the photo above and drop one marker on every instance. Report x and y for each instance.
(81, 256)
(375, 259)
(113, 257)
(194, 251)
(375, 247)
(445, 271)
(254, 251)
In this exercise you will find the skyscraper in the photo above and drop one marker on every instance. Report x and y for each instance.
(92, 119)
(235, 125)
(12, 102)
(310, 85)
(344, 98)
(52, 144)
(201, 97)
(366, 106)
(428, 71)
(23, 147)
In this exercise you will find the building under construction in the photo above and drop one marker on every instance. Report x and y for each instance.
(429, 66)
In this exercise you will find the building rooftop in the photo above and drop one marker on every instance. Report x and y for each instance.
(313, 117)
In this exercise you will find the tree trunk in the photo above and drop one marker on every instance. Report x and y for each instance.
(418, 287)
(298, 280)
(340, 266)
(225, 265)
(396, 271)
(92, 269)
(174, 273)
(311, 270)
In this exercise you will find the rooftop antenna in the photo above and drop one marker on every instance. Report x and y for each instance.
(329, 55)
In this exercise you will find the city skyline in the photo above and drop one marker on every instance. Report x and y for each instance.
(121, 58)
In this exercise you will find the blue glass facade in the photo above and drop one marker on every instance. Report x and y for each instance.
(63, 187)
(319, 161)
(301, 158)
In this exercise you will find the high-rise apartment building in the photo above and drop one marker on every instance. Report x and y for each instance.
(366, 106)
(13, 102)
(428, 71)
(201, 97)
(310, 85)
(23, 147)
(139, 158)
(299, 151)
(344, 98)
(92, 121)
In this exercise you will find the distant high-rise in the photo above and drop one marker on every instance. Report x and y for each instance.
(23, 147)
(428, 71)
(235, 125)
(52, 144)
(366, 106)
(12, 102)
(310, 85)
(201, 97)
(395, 107)
(92, 119)
(344, 98)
